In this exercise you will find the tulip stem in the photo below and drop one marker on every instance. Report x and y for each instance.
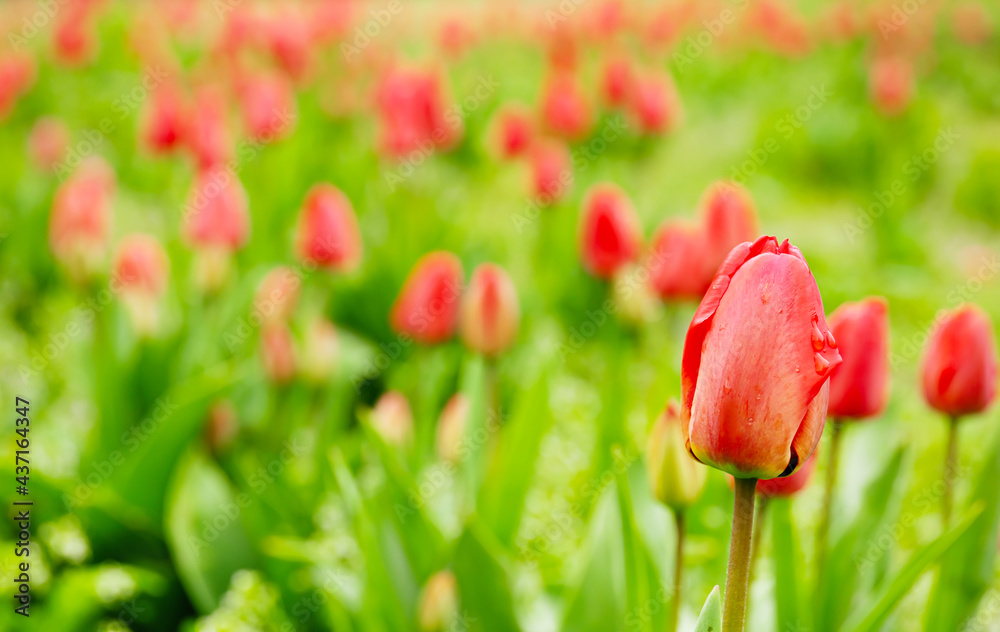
(950, 466)
(678, 569)
(758, 526)
(822, 534)
(737, 579)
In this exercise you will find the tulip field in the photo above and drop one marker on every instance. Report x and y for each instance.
(485, 316)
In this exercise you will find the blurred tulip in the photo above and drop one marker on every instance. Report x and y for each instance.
(81, 217)
(859, 387)
(490, 311)
(634, 300)
(17, 74)
(277, 353)
(611, 236)
(268, 104)
(321, 351)
(617, 82)
(215, 223)
(451, 428)
(455, 37)
(208, 133)
(220, 427)
(438, 607)
(789, 485)
(654, 105)
(327, 233)
(675, 479)
(277, 295)
(141, 267)
(756, 364)
(411, 105)
(564, 108)
(165, 119)
(781, 28)
(972, 24)
(48, 142)
(728, 218)
(427, 306)
(676, 262)
(551, 171)
(960, 363)
(891, 84)
(289, 39)
(515, 131)
(74, 37)
(392, 419)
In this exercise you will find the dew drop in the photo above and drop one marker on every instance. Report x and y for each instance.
(822, 364)
(797, 368)
(818, 339)
(830, 341)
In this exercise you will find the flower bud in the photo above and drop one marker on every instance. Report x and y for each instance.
(756, 364)
(81, 218)
(277, 295)
(328, 232)
(216, 215)
(17, 74)
(438, 608)
(165, 119)
(208, 134)
(633, 298)
(514, 130)
(427, 306)
(676, 262)
(413, 112)
(654, 105)
(490, 311)
(220, 427)
(960, 363)
(48, 142)
(268, 105)
(859, 387)
(891, 84)
(551, 171)
(451, 428)
(675, 479)
(564, 108)
(141, 268)
(728, 219)
(319, 358)
(392, 419)
(617, 81)
(74, 36)
(277, 353)
(611, 234)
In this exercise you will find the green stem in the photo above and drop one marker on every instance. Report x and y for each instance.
(678, 569)
(758, 526)
(832, 466)
(950, 467)
(737, 579)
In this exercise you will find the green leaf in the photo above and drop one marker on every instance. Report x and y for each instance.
(787, 564)
(594, 601)
(710, 619)
(873, 619)
(641, 576)
(483, 586)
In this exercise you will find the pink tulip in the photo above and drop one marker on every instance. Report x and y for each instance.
(960, 363)
(81, 217)
(48, 142)
(427, 306)
(859, 387)
(551, 171)
(728, 218)
(564, 109)
(490, 311)
(676, 262)
(611, 234)
(328, 232)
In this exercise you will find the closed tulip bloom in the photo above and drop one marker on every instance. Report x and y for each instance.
(328, 232)
(17, 74)
(789, 485)
(515, 130)
(268, 104)
(654, 105)
(633, 298)
(74, 36)
(427, 307)
(960, 363)
(141, 268)
(675, 479)
(81, 218)
(490, 311)
(564, 108)
(891, 84)
(208, 130)
(48, 142)
(278, 295)
(277, 352)
(438, 607)
(412, 106)
(165, 119)
(551, 171)
(728, 218)
(756, 364)
(321, 351)
(221, 427)
(611, 235)
(216, 215)
(617, 80)
(290, 40)
(676, 262)
(392, 418)
(859, 387)
(451, 428)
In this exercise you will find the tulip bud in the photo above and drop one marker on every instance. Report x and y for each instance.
(17, 74)
(328, 232)
(972, 24)
(48, 142)
(859, 387)
(617, 80)
(165, 120)
(451, 428)
(216, 223)
(74, 37)
(268, 104)
(221, 427)
(789, 485)
(551, 171)
(675, 479)
(633, 298)
(490, 311)
(676, 263)
(756, 364)
(611, 234)
(728, 218)
(515, 129)
(654, 105)
(891, 84)
(319, 358)
(427, 306)
(277, 353)
(141, 268)
(960, 363)
(208, 132)
(564, 108)
(277, 295)
(412, 109)
(392, 419)
(289, 39)
(81, 218)
(438, 608)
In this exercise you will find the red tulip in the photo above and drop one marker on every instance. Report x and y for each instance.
(81, 217)
(277, 353)
(48, 142)
(617, 81)
(268, 104)
(17, 73)
(289, 38)
(427, 306)
(789, 485)
(728, 218)
(412, 110)
(756, 364)
(515, 129)
(328, 232)
(208, 133)
(676, 262)
(165, 120)
(654, 105)
(960, 363)
(277, 295)
(141, 268)
(216, 216)
(564, 108)
(859, 387)
(490, 311)
(74, 37)
(611, 234)
(891, 84)
(551, 171)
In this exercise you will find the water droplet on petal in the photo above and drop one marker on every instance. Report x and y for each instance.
(822, 364)
(797, 368)
(818, 339)
(830, 341)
